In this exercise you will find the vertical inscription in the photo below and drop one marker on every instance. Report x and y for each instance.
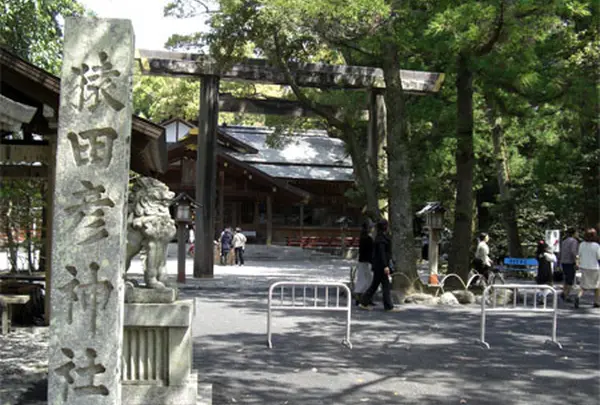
(93, 295)
(88, 239)
(90, 202)
(93, 147)
(80, 379)
(94, 84)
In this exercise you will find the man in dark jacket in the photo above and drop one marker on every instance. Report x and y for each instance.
(226, 241)
(382, 255)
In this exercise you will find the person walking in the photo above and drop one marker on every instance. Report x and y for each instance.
(225, 239)
(239, 245)
(589, 265)
(568, 258)
(482, 262)
(382, 256)
(546, 260)
(364, 274)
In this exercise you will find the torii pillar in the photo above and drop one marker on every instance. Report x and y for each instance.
(206, 176)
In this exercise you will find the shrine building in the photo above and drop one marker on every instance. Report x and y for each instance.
(277, 194)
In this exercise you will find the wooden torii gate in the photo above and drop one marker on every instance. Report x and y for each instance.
(177, 64)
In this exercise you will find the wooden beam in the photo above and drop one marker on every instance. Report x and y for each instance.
(51, 175)
(301, 220)
(206, 183)
(256, 214)
(269, 220)
(38, 86)
(163, 63)
(24, 153)
(229, 103)
(221, 224)
(23, 172)
(35, 86)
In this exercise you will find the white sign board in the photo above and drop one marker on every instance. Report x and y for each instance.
(552, 239)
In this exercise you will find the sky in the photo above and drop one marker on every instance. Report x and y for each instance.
(151, 28)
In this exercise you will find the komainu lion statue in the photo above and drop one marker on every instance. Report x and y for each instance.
(150, 228)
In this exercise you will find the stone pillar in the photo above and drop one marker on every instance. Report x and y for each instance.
(206, 179)
(89, 218)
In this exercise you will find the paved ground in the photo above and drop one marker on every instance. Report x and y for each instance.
(422, 355)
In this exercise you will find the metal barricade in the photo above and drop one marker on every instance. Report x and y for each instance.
(520, 309)
(294, 303)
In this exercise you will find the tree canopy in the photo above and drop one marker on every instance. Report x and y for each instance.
(510, 145)
(33, 29)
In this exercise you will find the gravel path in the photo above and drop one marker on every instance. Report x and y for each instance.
(23, 365)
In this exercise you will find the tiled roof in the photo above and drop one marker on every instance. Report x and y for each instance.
(322, 173)
(309, 155)
(310, 147)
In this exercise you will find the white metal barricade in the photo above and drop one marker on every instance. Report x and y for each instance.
(293, 302)
(542, 308)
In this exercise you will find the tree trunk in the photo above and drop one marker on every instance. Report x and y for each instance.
(12, 244)
(507, 203)
(459, 258)
(361, 168)
(29, 220)
(400, 204)
(590, 135)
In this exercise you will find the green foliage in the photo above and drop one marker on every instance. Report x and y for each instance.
(33, 29)
(161, 98)
(540, 63)
(21, 203)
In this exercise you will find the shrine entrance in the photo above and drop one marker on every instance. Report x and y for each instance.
(209, 72)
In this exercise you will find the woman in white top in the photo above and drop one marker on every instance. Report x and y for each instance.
(364, 274)
(239, 246)
(483, 263)
(589, 257)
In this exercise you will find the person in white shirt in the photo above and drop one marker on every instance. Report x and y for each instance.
(239, 245)
(589, 257)
(483, 263)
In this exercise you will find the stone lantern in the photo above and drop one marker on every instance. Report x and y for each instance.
(183, 213)
(434, 223)
(183, 216)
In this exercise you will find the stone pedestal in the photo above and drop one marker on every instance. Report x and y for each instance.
(157, 355)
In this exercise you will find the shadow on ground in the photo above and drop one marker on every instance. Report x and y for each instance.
(422, 355)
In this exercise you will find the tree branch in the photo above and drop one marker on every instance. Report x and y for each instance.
(350, 45)
(308, 103)
(489, 45)
(531, 97)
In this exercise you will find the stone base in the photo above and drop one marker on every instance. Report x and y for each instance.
(138, 295)
(191, 393)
